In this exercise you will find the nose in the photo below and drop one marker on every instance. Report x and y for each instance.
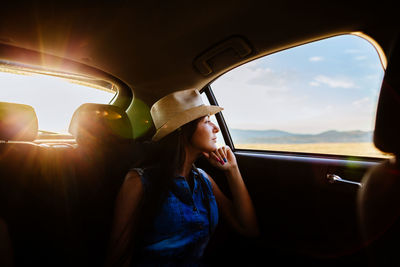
(215, 128)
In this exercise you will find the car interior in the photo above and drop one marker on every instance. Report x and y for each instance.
(57, 195)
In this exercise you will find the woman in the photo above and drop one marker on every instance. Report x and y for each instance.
(167, 211)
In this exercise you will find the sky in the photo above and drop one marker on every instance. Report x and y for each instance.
(331, 84)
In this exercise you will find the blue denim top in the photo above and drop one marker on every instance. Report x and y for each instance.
(182, 228)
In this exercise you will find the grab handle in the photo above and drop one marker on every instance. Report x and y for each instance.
(333, 178)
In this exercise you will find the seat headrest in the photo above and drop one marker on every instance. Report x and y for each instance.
(18, 122)
(100, 124)
(387, 124)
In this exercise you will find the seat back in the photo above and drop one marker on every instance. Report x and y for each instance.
(19, 170)
(18, 122)
(379, 211)
(104, 138)
(100, 126)
(104, 147)
(18, 126)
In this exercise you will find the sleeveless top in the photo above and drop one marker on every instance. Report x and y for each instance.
(183, 226)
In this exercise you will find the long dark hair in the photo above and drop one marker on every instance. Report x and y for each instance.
(168, 154)
(162, 160)
(167, 157)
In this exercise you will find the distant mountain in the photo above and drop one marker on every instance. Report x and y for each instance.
(282, 137)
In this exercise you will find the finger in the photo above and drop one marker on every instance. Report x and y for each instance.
(218, 153)
(223, 154)
(214, 156)
(228, 150)
(230, 153)
(217, 157)
(225, 151)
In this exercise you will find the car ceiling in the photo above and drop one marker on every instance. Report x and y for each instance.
(151, 45)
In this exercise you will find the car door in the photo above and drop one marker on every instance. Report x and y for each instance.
(300, 123)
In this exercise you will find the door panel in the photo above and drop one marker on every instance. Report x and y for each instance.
(302, 216)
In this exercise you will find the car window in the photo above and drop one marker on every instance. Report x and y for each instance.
(320, 97)
(54, 99)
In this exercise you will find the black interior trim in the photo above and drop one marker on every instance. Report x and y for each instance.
(313, 155)
(310, 159)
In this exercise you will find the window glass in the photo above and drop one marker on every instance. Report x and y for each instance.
(54, 99)
(320, 97)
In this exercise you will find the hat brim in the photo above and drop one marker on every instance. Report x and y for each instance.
(183, 118)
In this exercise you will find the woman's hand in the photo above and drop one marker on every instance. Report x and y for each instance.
(222, 158)
(238, 210)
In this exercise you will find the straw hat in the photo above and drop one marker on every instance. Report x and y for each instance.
(176, 109)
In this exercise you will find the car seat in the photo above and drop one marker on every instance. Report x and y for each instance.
(18, 155)
(379, 197)
(21, 191)
(103, 155)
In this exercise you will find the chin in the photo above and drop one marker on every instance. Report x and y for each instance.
(209, 149)
(212, 148)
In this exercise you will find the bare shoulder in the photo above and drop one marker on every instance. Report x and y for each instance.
(127, 202)
(132, 175)
(206, 174)
(132, 182)
(208, 177)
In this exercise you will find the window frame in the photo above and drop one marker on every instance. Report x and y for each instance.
(64, 68)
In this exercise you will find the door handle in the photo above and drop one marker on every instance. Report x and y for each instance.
(333, 178)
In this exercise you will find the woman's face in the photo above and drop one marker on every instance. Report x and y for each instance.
(204, 138)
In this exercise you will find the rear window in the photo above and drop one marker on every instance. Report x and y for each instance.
(54, 99)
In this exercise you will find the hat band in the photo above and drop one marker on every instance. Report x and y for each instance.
(184, 117)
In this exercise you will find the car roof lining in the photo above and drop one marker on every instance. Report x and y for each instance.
(150, 46)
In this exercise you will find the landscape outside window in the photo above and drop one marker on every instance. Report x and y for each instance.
(54, 99)
(320, 97)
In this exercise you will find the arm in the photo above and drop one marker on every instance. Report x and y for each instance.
(127, 208)
(239, 211)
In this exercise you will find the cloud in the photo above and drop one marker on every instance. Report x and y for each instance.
(315, 59)
(257, 78)
(360, 58)
(332, 82)
(352, 51)
(357, 53)
(363, 102)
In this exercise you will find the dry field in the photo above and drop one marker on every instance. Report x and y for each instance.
(348, 149)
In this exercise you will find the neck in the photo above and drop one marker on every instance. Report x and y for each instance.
(190, 158)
